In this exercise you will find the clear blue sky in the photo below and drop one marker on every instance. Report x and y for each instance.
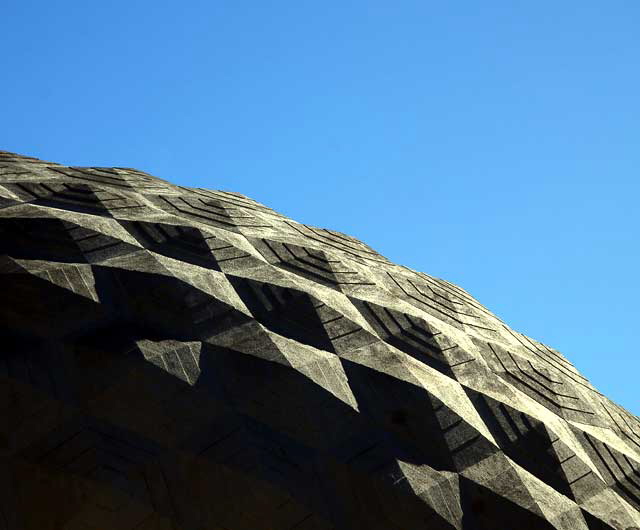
(494, 144)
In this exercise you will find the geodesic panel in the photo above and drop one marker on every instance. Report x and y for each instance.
(180, 358)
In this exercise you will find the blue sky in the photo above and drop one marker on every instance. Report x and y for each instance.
(493, 144)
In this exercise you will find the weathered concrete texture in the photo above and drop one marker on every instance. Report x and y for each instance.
(179, 358)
